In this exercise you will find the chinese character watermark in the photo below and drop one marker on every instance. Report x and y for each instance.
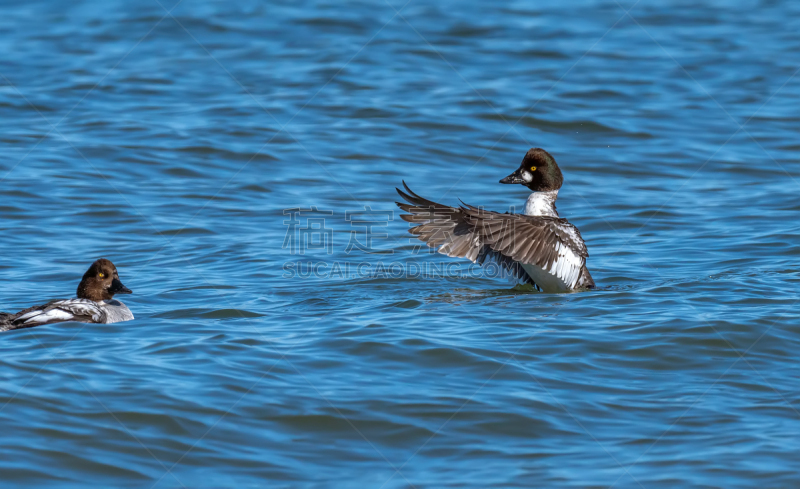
(314, 235)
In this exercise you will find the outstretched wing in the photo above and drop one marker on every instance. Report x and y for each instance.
(440, 226)
(550, 243)
(512, 240)
(82, 310)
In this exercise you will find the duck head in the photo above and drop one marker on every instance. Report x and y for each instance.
(101, 282)
(538, 171)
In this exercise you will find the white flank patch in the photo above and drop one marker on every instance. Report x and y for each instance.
(44, 317)
(563, 274)
(546, 281)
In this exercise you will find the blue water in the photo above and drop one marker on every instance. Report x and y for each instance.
(176, 145)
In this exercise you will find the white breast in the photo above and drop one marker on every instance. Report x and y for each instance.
(116, 311)
(542, 204)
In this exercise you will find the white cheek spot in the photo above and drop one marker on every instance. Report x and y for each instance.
(527, 176)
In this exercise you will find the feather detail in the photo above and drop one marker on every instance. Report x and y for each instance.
(520, 244)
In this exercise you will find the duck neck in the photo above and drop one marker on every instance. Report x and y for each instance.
(542, 204)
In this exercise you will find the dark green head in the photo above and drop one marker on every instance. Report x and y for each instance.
(538, 171)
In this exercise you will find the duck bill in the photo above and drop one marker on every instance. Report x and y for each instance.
(513, 178)
(118, 288)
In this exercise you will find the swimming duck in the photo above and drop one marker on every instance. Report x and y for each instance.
(95, 302)
(536, 247)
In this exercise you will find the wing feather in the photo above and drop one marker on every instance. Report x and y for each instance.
(82, 310)
(510, 240)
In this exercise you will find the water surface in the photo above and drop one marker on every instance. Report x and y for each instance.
(172, 139)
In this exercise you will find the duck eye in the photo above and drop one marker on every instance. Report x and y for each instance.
(533, 168)
(101, 274)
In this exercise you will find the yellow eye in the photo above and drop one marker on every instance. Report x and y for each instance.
(533, 168)
(101, 274)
